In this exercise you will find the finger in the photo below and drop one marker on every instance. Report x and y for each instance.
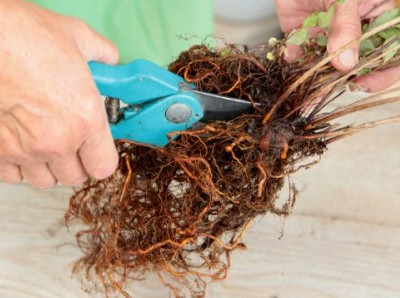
(291, 13)
(345, 27)
(38, 175)
(10, 173)
(68, 170)
(100, 49)
(372, 8)
(379, 80)
(93, 45)
(98, 153)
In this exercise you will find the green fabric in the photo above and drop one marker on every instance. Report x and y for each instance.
(157, 30)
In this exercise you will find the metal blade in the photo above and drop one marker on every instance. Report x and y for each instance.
(217, 107)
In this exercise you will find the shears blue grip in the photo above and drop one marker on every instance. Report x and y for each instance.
(156, 105)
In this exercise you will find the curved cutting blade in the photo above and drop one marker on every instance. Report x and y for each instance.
(217, 107)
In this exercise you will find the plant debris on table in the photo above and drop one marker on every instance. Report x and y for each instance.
(180, 211)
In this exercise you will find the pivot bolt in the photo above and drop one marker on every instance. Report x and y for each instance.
(178, 113)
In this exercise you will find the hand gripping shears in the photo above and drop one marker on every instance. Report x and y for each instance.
(156, 102)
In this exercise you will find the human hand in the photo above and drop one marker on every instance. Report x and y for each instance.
(53, 126)
(345, 27)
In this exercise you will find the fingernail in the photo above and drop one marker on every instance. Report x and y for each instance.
(347, 58)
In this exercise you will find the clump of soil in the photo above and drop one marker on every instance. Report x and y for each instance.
(181, 210)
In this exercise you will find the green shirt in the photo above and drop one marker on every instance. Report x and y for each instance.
(157, 30)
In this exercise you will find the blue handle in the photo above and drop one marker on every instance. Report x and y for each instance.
(142, 82)
(149, 124)
(136, 82)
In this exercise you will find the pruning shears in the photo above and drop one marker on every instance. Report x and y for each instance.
(145, 102)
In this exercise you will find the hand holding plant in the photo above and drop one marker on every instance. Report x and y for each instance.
(335, 24)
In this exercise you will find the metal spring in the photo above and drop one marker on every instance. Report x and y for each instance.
(113, 109)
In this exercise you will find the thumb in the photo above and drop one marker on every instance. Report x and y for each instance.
(345, 28)
(98, 153)
(94, 46)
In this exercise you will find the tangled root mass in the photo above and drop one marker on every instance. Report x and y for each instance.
(181, 210)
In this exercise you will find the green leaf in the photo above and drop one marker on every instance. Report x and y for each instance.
(225, 52)
(389, 33)
(363, 71)
(311, 21)
(298, 37)
(391, 51)
(325, 18)
(384, 18)
(377, 40)
(366, 46)
(322, 40)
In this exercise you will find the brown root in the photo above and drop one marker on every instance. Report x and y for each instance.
(181, 210)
